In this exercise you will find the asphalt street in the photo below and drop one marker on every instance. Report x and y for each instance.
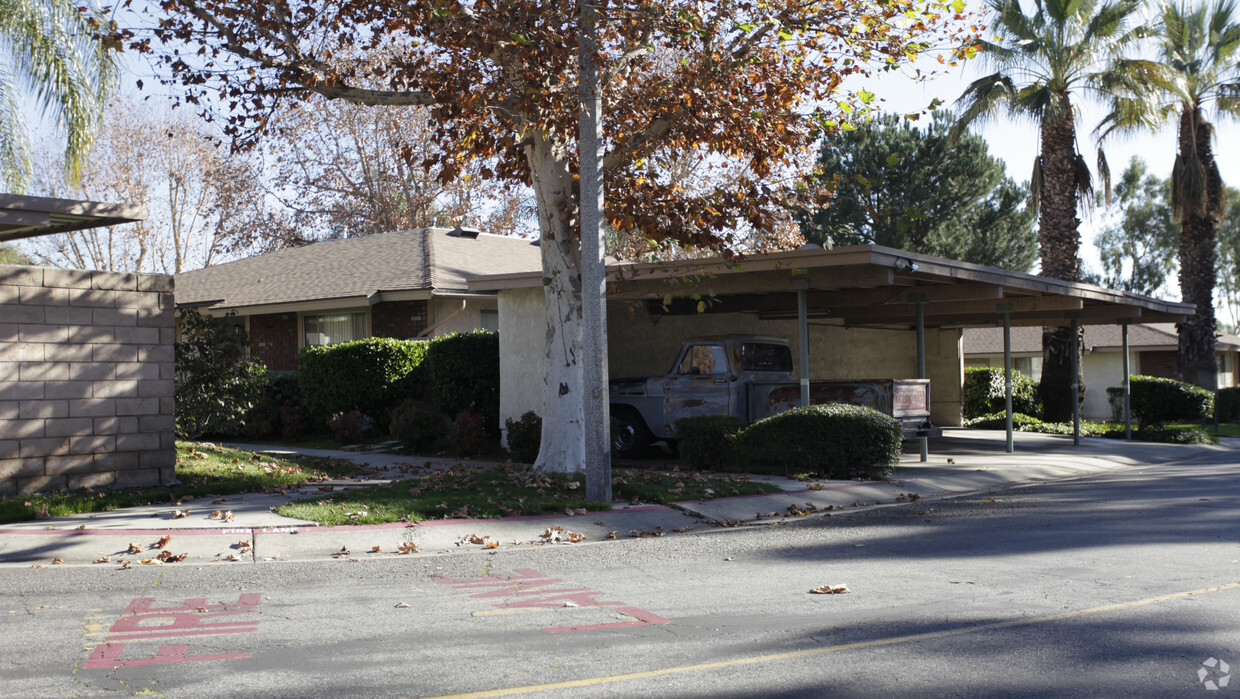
(1125, 582)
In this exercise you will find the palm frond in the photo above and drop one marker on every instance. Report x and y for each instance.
(16, 166)
(1035, 185)
(1104, 174)
(1084, 183)
(1188, 187)
(980, 101)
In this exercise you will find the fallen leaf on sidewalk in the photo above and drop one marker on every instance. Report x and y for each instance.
(600, 522)
(180, 514)
(376, 549)
(401, 605)
(57, 561)
(105, 559)
(38, 565)
(611, 534)
(232, 557)
(408, 547)
(218, 501)
(82, 526)
(475, 539)
(951, 461)
(244, 546)
(830, 590)
(163, 541)
(491, 545)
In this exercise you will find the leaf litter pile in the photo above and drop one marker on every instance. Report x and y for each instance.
(506, 490)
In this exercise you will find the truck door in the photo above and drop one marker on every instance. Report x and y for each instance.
(700, 384)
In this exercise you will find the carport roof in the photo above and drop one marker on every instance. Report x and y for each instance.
(866, 285)
(30, 217)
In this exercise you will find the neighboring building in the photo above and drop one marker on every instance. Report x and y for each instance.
(407, 284)
(1151, 346)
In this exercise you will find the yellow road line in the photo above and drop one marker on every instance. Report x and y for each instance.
(792, 655)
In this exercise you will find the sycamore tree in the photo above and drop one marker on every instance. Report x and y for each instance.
(755, 81)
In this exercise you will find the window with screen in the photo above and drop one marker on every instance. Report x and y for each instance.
(333, 328)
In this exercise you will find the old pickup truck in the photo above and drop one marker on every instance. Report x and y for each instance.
(750, 377)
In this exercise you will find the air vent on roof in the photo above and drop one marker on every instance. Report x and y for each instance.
(462, 232)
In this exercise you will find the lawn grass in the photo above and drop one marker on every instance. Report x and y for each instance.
(507, 490)
(202, 469)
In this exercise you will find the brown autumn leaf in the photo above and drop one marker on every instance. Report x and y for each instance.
(492, 545)
(232, 557)
(218, 501)
(133, 548)
(830, 590)
(408, 547)
(38, 565)
(57, 561)
(163, 541)
(475, 539)
(401, 605)
(216, 515)
(180, 514)
(611, 534)
(600, 522)
(105, 559)
(376, 549)
(244, 546)
(82, 526)
(125, 565)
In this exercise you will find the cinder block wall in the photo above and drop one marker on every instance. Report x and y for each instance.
(86, 379)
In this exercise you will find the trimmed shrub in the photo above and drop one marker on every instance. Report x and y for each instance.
(464, 375)
(984, 393)
(216, 385)
(524, 437)
(1156, 401)
(371, 375)
(418, 425)
(349, 427)
(1227, 404)
(1026, 423)
(1173, 435)
(280, 393)
(834, 441)
(711, 442)
(467, 435)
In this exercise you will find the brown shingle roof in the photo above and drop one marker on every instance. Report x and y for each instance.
(420, 259)
(988, 341)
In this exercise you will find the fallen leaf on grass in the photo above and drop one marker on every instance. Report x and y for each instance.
(830, 590)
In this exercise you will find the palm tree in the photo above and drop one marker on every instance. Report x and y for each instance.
(1043, 60)
(49, 51)
(1198, 50)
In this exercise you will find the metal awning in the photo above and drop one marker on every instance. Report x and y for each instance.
(30, 217)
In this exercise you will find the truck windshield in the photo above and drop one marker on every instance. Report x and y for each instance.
(762, 357)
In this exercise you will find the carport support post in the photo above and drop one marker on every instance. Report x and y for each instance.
(1123, 332)
(801, 286)
(920, 301)
(1006, 310)
(1076, 380)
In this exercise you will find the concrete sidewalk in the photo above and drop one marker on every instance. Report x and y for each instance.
(962, 461)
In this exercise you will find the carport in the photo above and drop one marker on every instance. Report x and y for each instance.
(852, 288)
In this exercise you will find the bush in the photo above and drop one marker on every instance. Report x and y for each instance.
(984, 393)
(524, 437)
(1173, 435)
(711, 442)
(1026, 423)
(1156, 401)
(467, 435)
(280, 393)
(371, 375)
(834, 441)
(350, 427)
(216, 384)
(464, 375)
(418, 425)
(1227, 404)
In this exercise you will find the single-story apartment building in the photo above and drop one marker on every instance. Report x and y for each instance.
(1152, 349)
(406, 285)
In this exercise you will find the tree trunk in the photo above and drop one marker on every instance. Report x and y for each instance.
(1197, 258)
(1059, 243)
(563, 431)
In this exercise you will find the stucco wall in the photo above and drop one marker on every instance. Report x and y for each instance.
(466, 320)
(645, 346)
(1103, 370)
(86, 379)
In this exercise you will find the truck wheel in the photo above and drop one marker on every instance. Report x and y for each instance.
(629, 436)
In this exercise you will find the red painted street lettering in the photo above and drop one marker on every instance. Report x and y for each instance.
(142, 620)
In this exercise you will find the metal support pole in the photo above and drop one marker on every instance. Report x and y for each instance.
(1123, 325)
(920, 301)
(1076, 383)
(801, 286)
(1006, 309)
(595, 398)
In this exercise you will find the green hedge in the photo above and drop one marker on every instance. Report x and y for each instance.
(833, 441)
(1156, 401)
(525, 437)
(984, 393)
(711, 442)
(1027, 423)
(1227, 404)
(464, 375)
(216, 385)
(371, 375)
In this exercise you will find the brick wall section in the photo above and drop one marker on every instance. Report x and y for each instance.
(86, 380)
(275, 340)
(402, 320)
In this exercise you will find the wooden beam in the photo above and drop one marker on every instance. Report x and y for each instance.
(900, 295)
(729, 284)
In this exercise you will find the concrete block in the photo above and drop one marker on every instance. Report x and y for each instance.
(92, 407)
(8, 331)
(117, 461)
(157, 423)
(114, 353)
(8, 448)
(138, 371)
(21, 275)
(167, 370)
(137, 406)
(68, 390)
(7, 488)
(167, 302)
(167, 406)
(9, 371)
(123, 317)
(68, 315)
(157, 388)
(93, 298)
(92, 371)
(68, 427)
(46, 446)
(156, 317)
(114, 280)
(156, 282)
(18, 390)
(10, 294)
(116, 389)
(68, 353)
(21, 313)
(156, 353)
(105, 425)
(93, 444)
(137, 442)
(25, 429)
(135, 299)
(163, 458)
(167, 336)
(42, 409)
(43, 371)
(20, 468)
(93, 334)
(168, 440)
(43, 333)
(127, 425)
(137, 336)
(137, 477)
(43, 296)
(41, 484)
(92, 481)
(65, 465)
(67, 278)
(21, 352)
(8, 410)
